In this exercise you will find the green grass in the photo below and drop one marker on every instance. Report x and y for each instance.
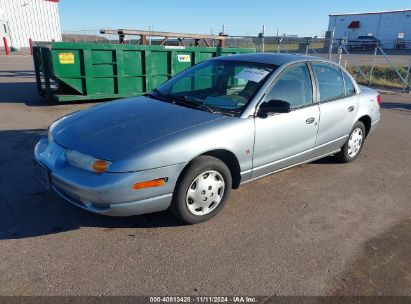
(382, 77)
(291, 47)
(270, 46)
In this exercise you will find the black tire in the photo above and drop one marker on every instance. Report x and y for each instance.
(199, 165)
(344, 155)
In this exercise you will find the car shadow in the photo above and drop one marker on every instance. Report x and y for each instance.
(329, 160)
(403, 107)
(28, 210)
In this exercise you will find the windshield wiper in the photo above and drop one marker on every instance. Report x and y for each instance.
(227, 113)
(190, 102)
(156, 94)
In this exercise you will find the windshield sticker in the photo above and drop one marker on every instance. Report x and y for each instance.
(252, 75)
(184, 58)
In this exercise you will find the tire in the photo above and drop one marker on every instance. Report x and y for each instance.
(354, 144)
(209, 181)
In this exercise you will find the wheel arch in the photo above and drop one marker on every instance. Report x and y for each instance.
(228, 158)
(231, 162)
(366, 120)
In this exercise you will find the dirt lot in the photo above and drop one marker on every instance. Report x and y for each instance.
(318, 229)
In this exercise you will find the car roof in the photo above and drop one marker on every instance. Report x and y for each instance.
(269, 58)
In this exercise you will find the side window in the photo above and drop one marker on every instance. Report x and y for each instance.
(330, 81)
(349, 86)
(294, 86)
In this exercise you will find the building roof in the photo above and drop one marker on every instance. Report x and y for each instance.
(268, 58)
(373, 13)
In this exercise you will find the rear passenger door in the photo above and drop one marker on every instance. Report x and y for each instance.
(338, 102)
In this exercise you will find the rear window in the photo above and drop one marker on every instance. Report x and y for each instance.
(349, 86)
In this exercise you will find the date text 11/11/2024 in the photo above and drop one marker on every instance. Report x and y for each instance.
(203, 299)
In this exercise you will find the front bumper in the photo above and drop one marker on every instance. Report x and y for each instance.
(149, 205)
(107, 193)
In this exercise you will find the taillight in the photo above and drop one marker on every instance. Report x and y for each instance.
(379, 99)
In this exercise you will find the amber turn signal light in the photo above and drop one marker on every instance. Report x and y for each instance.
(100, 166)
(150, 184)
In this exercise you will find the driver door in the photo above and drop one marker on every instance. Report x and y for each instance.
(282, 140)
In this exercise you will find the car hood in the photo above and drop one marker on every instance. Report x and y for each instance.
(111, 130)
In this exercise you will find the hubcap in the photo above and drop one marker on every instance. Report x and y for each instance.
(355, 142)
(205, 193)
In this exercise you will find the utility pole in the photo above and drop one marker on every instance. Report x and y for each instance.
(263, 38)
(330, 50)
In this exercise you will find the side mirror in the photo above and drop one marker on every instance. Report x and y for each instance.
(273, 106)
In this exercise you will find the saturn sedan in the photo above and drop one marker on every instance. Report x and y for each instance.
(220, 124)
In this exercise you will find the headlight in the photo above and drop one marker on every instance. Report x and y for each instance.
(86, 162)
(52, 126)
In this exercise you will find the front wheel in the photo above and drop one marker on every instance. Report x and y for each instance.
(353, 146)
(202, 191)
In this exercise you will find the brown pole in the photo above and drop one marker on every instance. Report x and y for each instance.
(31, 46)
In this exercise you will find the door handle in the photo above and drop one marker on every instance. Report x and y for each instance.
(310, 120)
(350, 109)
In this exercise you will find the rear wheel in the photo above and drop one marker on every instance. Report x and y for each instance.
(202, 191)
(353, 146)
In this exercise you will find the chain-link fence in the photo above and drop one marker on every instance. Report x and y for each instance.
(385, 65)
(382, 65)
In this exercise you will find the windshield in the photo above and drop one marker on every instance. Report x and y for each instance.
(217, 85)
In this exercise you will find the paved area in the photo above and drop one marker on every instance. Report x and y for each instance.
(367, 58)
(318, 229)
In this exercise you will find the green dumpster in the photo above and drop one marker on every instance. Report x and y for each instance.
(87, 71)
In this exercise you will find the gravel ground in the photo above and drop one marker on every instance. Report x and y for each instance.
(318, 229)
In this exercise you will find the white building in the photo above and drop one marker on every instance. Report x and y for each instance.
(391, 27)
(21, 20)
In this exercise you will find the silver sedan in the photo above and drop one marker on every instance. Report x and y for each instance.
(211, 128)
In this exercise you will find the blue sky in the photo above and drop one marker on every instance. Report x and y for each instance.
(240, 17)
